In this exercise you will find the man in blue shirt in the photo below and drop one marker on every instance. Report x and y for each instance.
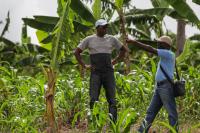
(164, 94)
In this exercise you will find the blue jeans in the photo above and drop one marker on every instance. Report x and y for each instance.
(163, 96)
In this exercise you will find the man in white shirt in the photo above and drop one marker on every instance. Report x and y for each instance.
(100, 46)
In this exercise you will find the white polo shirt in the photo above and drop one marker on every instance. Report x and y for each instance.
(98, 45)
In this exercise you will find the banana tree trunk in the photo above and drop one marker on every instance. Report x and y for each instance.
(124, 35)
(51, 75)
(180, 37)
(82, 71)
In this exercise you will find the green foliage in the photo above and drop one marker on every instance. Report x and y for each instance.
(180, 6)
(77, 6)
(195, 37)
(160, 12)
(38, 25)
(41, 35)
(61, 4)
(119, 3)
(63, 31)
(22, 100)
(190, 55)
(96, 8)
(159, 3)
(125, 120)
(22, 103)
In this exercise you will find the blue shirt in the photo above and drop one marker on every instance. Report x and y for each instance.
(167, 60)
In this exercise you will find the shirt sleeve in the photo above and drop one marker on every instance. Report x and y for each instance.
(163, 53)
(116, 43)
(84, 43)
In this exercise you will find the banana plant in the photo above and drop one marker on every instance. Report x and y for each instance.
(120, 11)
(62, 32)
(182, 14)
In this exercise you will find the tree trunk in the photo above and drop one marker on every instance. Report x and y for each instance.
(180, 39)
(51, 75)
(124, 35)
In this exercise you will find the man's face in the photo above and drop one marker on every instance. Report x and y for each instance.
(102, 30)
(163, 45)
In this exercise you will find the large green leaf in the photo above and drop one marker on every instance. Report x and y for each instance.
(186, 52)
(184, 10)
(62, 34)
(61, 3)
(44, 26)
(47, 19)
(141, 19)
(82, 10)
(78, 27)
(159, 3)
(119, 3)
(47, 39)
(34, 48)
(138, 33)
(96, 8)
(158, 11)
(41, 35)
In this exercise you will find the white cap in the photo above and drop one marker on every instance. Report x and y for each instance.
(100, 22)
(165, 39)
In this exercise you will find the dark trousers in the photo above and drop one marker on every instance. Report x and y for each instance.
(107, 79)
(163, 96)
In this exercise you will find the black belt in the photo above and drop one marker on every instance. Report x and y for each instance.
(159, 83)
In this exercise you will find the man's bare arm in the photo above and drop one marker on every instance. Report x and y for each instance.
(77, 54)
(143, 46)
(120, 56)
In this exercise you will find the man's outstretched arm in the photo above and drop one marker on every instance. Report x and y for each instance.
(143, 46)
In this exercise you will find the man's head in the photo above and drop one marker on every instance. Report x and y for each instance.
(164, 42)
(101, 27)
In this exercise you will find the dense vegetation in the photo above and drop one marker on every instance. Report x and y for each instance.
(25, 69)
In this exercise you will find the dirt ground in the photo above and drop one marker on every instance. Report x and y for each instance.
(83, 128)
